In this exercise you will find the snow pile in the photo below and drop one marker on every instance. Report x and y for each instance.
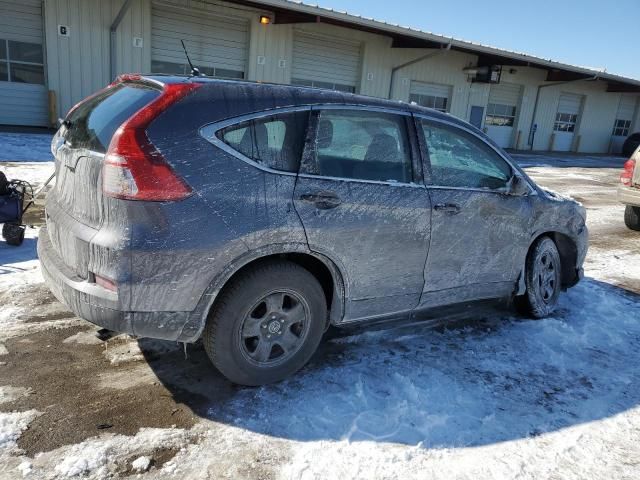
(100, 457)
(12, 424)
(34, 147)
(141, 464)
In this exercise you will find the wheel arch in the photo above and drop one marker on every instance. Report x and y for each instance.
(321, 267)
(568, 250)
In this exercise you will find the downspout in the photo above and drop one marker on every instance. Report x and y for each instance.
(414, 61)
(532, 133)
(113, 40)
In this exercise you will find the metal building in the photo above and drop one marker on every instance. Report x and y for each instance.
(55, 52)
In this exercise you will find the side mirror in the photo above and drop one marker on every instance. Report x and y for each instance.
(517, 186)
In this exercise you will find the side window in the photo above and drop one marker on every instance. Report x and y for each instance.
(363, 145)
(460, 160)
(275, 141)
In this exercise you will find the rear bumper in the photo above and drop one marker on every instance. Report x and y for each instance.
(102, 307)
(629, 195)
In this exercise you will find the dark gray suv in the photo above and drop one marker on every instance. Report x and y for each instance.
(254, 216)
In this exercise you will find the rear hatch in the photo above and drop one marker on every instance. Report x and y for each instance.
(79, 148)
(635, 180)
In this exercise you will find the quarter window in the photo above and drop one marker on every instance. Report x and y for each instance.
(275, 141)
(21, 62)
(363, 145)
(458, 159)
(621, 128)
(565, 122)
(500, 115)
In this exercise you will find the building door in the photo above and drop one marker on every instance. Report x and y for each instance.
(325, 62)
(23, 94)
(475, 117)
(502, 111)
(431, 95)
(565, 126)
(622, 124)
(218, 46)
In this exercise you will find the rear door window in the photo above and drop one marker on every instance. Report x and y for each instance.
(92, 124)
(275, 141)
(363, 145)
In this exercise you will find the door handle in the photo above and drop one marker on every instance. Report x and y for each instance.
(322, 200)
(450, 208)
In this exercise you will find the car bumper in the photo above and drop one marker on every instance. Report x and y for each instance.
(101, 307)
(629, 195)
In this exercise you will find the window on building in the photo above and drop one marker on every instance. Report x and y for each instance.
(500, 115)
(21, 62)
(460, 160)
(430, 101)
(276, 141)
(363, 145)
(327, 85)
(621, 128)
(565, 122)
(184, 69)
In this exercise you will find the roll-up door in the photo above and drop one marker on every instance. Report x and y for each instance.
(217, 46)
(431, 95)
(502, 112)
(23, 94)
(623, 122)
(566, 124)
(325, 62)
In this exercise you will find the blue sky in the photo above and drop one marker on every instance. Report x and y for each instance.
(591, 33)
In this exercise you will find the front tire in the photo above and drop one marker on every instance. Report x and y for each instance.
(267, 324)
(542, 279)
(632, 217)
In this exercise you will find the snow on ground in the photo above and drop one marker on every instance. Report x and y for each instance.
(500, 397)
(32, 147)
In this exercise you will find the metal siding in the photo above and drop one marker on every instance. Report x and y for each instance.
(326, 59)
(22, 103)
(505, 94)
(211, 41)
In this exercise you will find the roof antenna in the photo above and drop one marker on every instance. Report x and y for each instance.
(194, 70)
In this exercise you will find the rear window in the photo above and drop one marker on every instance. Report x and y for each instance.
(94, 122)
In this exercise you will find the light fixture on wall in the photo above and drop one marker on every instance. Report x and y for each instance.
(265, 20)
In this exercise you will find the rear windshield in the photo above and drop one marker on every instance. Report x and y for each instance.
(94, 122)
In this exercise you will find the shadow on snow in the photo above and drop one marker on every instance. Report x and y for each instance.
(491, 380)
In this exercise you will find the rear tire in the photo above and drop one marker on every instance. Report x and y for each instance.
(542, 279)
(266, 324)
(13, 234)
(632, 217)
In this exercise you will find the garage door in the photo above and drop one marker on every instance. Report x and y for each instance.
(623, 122)
(217, 46)
(23, 95)
(502, 111)
(566, 123)
(431, 95)
(325, 62)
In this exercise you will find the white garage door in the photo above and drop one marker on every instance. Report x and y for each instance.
(325, 62)
(624, 119)
(564, 128)
(431, 95)
(502, 111)
(217, 46)
(23, 95)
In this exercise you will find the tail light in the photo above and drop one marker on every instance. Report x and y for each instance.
(106, 283)
(133, 168)
(627, 173)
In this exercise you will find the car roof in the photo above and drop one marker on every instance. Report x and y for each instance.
(310, 95)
